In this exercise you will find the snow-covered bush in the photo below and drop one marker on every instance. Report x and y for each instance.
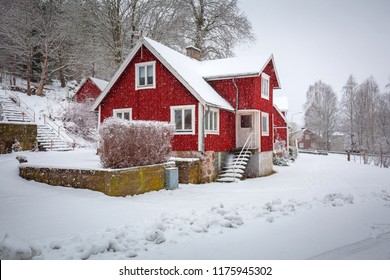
(126, 143)
(80, 121)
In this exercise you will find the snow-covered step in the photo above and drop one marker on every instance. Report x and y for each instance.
(49, 140)
(236, 175)
(227, 180)
(10, 111)
(234, 168)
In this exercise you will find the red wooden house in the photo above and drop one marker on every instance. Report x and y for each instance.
(91, 88)
(217, 106)
(280, 123)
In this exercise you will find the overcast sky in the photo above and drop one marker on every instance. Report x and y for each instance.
(321, 39)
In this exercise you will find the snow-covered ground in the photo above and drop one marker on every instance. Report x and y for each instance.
(320, 207)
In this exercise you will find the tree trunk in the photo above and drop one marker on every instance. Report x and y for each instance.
(61, 73)
(28, 78)
(42, 82)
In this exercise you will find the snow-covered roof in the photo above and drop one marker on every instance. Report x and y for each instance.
(186, 70)
(281, 102)
(234, 67)
(101, 84)
(193, 74)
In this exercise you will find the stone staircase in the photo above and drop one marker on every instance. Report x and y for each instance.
(235, 167)
(11, 112)
(47, 138)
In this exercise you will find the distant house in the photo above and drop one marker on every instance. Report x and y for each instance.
(280, 123)
(216, 106)
(90, 89)
(308, 140)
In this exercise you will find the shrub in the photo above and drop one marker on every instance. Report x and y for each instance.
(126, 143)
(81, 121)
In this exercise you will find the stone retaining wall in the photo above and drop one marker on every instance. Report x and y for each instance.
(25, 134)
(120, 182)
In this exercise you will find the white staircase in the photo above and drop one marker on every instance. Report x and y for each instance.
(49, 136)
(235, 167)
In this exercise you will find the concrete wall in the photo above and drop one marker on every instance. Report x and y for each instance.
(25, 133)
(121, 182)
(260, 164)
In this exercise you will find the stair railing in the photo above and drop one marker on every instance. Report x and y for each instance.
(56, 128)
(51, 140)
(23, 106)
(244, 150)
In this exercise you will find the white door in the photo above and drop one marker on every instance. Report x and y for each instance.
(247, 123)
(244, 127)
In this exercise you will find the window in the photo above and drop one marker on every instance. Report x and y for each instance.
(264, 124)
(211, 121)
(123, 113)
(264, 86)
(246, 121)
(307, 137)
(145, 75)
(183, 117)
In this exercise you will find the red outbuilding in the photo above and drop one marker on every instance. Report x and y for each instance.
(217, 106)
(89, 89)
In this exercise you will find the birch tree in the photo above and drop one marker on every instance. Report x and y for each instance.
(347, 106)
(365, 102)
(321, 110)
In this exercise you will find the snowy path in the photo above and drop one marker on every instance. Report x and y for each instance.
(319, 207)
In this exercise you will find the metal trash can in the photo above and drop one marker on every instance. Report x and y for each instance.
(171, 178)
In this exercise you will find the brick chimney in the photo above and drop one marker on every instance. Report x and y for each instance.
(193, 52)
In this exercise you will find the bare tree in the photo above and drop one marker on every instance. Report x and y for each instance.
(321, 110)
(216, 27)
(347, 106)
(19, 37)
(365, 101)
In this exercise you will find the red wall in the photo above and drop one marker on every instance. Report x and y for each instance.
(279, 133)
(87, 90)
(226, 140)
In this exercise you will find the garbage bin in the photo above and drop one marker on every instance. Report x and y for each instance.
(171, 178)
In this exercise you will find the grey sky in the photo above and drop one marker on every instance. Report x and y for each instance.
(327, 40)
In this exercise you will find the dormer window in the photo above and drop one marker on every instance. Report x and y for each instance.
(145, 75)
(265, 86)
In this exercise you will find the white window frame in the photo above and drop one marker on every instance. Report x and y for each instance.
(145, 65)
(184, 131)
(122, 111)
(264, 132)
(211, 125)
(265, 86)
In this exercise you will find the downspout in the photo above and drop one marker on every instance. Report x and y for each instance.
(237, 93)
(203, 128)
(236, 109)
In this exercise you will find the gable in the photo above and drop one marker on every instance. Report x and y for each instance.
(182, 67)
